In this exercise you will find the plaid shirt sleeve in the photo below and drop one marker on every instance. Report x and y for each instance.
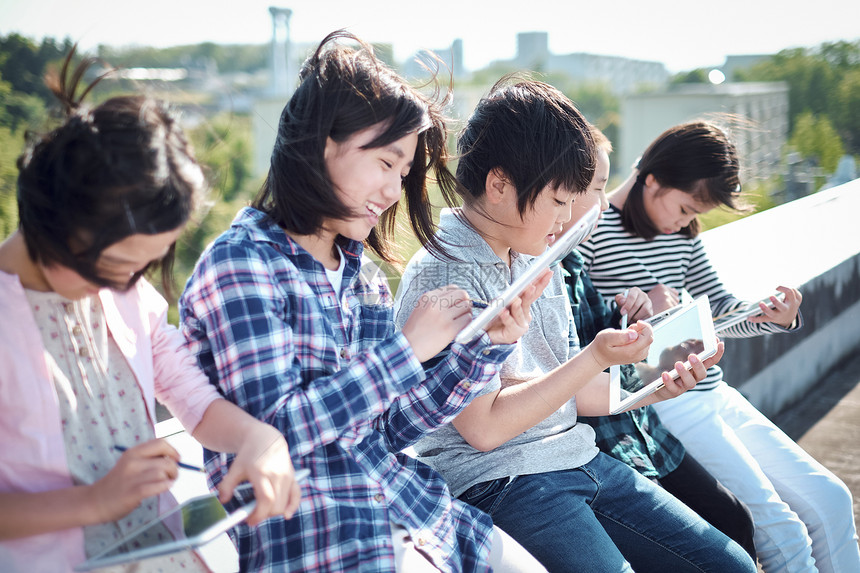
(241, 311)
(452, 382)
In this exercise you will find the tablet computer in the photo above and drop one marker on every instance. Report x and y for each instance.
(194, 523)
(554, 253)
(740, 314)
(680, 331)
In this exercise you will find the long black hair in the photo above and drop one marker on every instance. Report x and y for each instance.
(344, 90)
(697, 158)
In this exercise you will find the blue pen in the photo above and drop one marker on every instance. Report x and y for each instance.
(478, 303)
(180, 464)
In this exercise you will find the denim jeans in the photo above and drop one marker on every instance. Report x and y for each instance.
(701, 492)
(604, 516)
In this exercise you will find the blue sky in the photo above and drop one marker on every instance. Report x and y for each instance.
(683, 35)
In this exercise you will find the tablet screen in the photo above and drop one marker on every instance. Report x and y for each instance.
(684, 330)
(557, 251)
(190, 524)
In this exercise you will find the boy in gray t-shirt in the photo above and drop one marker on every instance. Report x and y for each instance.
(517, 451)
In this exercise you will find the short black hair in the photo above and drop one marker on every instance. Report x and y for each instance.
(532, 132)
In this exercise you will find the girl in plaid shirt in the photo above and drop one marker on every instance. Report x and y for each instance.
(296, 325)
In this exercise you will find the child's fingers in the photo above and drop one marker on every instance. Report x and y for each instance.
(264, 494)
(519, 312)
(295, 497)
(228, 485)
(711, 361)
(152, 449)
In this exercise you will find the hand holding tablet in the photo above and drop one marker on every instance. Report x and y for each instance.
(681, 331)
(557, 251)
(193, 523)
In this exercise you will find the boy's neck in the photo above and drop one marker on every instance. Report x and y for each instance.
(492, 232)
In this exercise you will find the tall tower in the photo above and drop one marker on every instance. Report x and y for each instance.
(283, 81)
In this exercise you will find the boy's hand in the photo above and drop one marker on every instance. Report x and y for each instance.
(663, 298)
(514, 321)
(687, 379)
(621, 346)
(437, 318)
(636, 305)
(783, 312)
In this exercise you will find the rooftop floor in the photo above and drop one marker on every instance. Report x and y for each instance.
(826, 423)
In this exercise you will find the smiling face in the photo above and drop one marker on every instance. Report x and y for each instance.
(117, 263)
(367, 180)
(670, 209)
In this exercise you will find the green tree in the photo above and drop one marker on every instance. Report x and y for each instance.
(697, 76)
(23, 63)
(222, 145)
(821, 80)
(814, 137)
(11, 143)
(847, 108)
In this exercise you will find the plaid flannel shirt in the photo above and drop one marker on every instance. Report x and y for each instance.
(331, 373)
(637, 437)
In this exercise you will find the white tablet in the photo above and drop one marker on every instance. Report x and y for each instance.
(740, 314)
(557, 251)
(194, 523)
(681, 331)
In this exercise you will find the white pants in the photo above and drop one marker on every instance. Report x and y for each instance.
(803, 513)
(506, 555)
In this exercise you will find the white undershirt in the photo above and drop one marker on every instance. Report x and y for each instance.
(335, 277)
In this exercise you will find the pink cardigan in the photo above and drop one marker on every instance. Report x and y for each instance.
(32, 454)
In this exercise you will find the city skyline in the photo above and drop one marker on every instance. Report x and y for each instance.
(682, 36)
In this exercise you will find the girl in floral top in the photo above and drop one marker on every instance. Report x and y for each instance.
(85, 348)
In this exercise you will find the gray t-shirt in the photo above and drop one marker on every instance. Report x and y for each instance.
(556, 443)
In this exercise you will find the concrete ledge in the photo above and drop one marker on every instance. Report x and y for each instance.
(812, 244)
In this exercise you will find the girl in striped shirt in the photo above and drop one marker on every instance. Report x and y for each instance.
(648, 239)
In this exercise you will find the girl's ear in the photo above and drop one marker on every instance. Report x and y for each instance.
(497, 186)
(331, 149)
(651, 184)
(650, 179)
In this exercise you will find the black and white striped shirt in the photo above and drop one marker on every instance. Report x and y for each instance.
(616, 260)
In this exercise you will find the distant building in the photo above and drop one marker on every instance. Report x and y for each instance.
(621, 75)
(450, 62)
(759, 109)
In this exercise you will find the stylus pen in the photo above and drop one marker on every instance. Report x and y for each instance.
(624, 316)
(180, 464)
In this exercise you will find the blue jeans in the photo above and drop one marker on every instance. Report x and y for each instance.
(604, 516)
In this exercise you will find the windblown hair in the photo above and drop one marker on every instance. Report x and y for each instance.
(697, 158)
(342, 91)
(121, 168)
(534, 134)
